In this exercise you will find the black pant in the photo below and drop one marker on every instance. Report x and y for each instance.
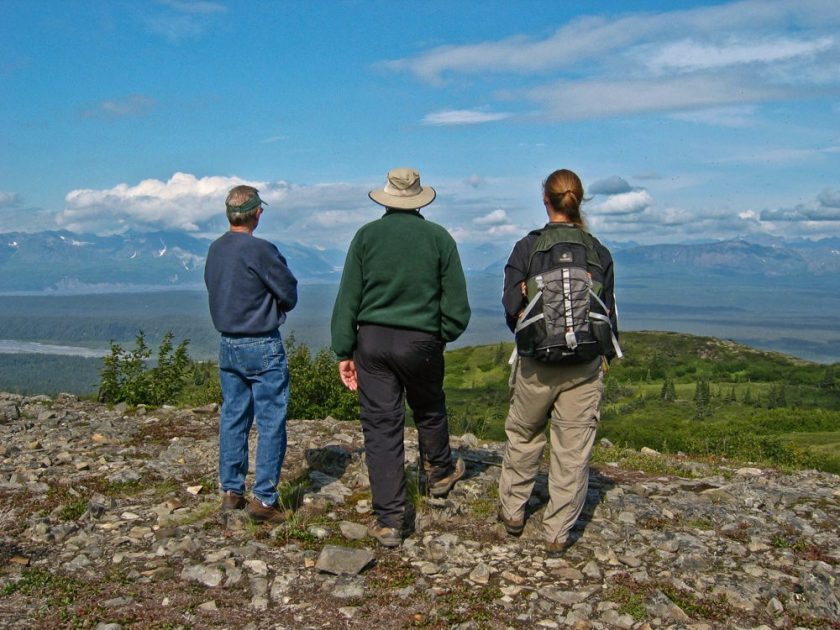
(393, 365)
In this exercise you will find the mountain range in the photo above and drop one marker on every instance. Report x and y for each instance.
(67, 262)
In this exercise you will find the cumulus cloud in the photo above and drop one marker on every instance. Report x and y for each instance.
(321, 214)
(825, 207)
(631, 202)
(495, 217)
(462, 117)
(133, 105)
(614, 185)
(183, 202)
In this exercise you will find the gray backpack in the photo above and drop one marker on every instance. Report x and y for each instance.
(566, 320)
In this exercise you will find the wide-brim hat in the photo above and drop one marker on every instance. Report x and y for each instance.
(403, 191)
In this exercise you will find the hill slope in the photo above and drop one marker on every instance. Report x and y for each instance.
(761, 406)
(110, 517)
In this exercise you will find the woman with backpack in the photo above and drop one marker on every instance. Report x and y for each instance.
(558, 300)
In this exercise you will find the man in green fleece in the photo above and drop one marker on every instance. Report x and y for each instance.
(402, 298)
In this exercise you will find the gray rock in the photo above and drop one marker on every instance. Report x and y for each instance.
(481, 573)
(208, 576)
(343, 560)
(353, 531)
(566, 598)
(9, 411)
(349, 589)
(659, 605)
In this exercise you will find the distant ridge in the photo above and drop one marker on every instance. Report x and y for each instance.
(67, 262)
(773, 258)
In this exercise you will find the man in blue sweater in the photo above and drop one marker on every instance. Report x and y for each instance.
(251, 289)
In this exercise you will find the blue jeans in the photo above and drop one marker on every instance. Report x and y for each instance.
(255, 385)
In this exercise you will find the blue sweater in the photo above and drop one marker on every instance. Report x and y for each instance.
(249, 285)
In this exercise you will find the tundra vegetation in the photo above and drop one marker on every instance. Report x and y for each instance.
(672, 392)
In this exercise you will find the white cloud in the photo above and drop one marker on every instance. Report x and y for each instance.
(272, 139)
(492, 218)
(8, 199)
(784, 155)
(589, 39)
(322, 214)
(596, 99)
(727, 54)
(824, 208)
(506, 230)
(689, 55)
(133, 105)
(463, 117)
(632, 202)
(177, 20)
(183, 202)
(475, 181)
(734, 116)
(829, 198)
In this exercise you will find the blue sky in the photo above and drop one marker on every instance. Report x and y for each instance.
(685, 120)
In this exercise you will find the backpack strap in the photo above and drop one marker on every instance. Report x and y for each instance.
(548, 237)
(594, 315)
(524, 321)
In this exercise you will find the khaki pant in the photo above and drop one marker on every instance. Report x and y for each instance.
(569, 396)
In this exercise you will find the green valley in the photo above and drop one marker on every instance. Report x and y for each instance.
(682, 393)
(673, 392)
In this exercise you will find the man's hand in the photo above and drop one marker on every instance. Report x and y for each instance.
(347, 372)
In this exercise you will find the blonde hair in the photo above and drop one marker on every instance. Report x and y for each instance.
(239, 196)
(564, 192)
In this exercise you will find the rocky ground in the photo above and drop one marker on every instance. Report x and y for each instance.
(109, 519)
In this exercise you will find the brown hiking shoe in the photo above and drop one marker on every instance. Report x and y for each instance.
(513, 526)
(557, 548)
(441, 487)
(232, 501)
(387, 536)
(260, 513)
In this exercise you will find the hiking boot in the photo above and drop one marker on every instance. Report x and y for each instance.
(261, 513)
(557, 548)
(513, 526)
(441, 487)
(386, 536)
(232, 501)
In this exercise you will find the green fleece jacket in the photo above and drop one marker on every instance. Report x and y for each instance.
(401, 271)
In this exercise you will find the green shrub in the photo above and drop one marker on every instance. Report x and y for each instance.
(125, 377)
(316, 389)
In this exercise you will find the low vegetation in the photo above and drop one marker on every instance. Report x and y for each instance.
(174, 378)
(672, 392)
(681, 393)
